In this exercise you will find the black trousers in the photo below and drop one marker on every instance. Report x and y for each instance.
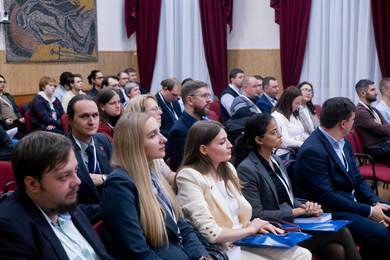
(380, 153)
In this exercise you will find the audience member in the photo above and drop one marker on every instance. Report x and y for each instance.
(63, 87)
(259, 84)
(307, 111)
(131, 90)
(123, 80)
(268, 189)
(167, 99)
(197, 99)
(242, 108)
(384, 105)
(110, 109)
(148, 104)
(286, 114)
(141, 215)
(46, 109)
(93, 153)
(133, 77)
(326, 172)
(9, 112)
(372, 128)
(269, 98)
(40, 220)
(76, 88)
(236, 76)
(5, 145)
(95, 79)
(209, 192)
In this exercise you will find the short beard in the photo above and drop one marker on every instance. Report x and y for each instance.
(203, 111)
(371, 99)
(63, 208)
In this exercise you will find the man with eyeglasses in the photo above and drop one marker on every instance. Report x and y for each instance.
(167, 99)
(197, 98)
(123, 80)
(93, 152)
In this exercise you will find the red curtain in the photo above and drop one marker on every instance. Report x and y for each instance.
(380, 10)
(143, 18)
(293, 17)
(215, 15)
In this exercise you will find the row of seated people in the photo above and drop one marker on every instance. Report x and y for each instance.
(135, 192)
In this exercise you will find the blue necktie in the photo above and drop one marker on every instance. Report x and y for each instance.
(91, 160)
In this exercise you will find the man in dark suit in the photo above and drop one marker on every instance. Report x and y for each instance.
(167, 100)
(197, 98)
(269, 98)
(93, 153)
(372, 128)
(326, 172)
(40, 220)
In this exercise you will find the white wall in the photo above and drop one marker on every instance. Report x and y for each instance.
(253, 26)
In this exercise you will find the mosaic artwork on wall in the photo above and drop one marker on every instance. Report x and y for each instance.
(51, 30)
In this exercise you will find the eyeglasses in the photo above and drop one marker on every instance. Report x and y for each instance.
(3, 81)
(306, 90)
(205, 95)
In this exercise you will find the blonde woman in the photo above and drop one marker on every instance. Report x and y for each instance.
(140, 213)
(148, 103)
(210, 194)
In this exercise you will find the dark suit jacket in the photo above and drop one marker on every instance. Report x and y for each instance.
(26, 234)
(5, 145)
(264, 104)
(88, 194)
(260, 191)
(177, 139)
(122, 225)
(370, 131)
(321, 176)
(167, 118)
(41, 114)
(15, 108)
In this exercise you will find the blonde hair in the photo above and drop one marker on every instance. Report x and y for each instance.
(129, 154)
(138, 103)
(45, 81)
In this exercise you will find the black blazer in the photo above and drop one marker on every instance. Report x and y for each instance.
(26, 234)
(88, 194)
(122, 225)
(260, 191)
(177, 139)
(320, 176)
(167, 118)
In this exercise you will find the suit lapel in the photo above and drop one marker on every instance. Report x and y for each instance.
(264, 174)
(219, 199)
(44, 226)
(101, 156)
(334, 156)
(83, 171)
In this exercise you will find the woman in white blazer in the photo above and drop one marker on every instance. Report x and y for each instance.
(286, 114)
(210, 195)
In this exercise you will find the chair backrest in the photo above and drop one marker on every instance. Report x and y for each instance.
(98, 227)
(215, 107)
(350, 139)
(7, 178)
(64, 123)
(318, 110)
(358, 142)
(27, 118)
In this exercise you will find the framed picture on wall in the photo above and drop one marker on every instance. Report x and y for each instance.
(51, 31)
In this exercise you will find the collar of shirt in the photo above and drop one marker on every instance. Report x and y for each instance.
(235, 89)
(272, 100)
(337, 145)
(83, 146)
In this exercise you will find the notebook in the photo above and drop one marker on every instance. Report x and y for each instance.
(321, 219)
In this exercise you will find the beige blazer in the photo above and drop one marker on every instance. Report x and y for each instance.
(204, 205)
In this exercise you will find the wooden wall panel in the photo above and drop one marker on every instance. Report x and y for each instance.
(265, 62)
(23, 78)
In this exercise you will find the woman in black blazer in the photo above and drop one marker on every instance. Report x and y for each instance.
(269, 191)
(141, 217)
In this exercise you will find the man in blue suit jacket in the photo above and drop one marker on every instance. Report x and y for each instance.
(167, 100)
(197, 99)
(40, 220)
(84, 121)
(269, 98)
(326, 172)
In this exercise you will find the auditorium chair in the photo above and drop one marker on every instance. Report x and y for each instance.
(7, 179)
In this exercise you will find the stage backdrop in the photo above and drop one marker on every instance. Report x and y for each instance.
(57, 30)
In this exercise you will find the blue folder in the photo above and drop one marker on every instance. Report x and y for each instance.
(286, 240)
(331, 226)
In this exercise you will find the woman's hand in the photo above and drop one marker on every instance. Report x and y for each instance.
(267, 228)
(50, 127)
(255, 225)
(312, 208)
